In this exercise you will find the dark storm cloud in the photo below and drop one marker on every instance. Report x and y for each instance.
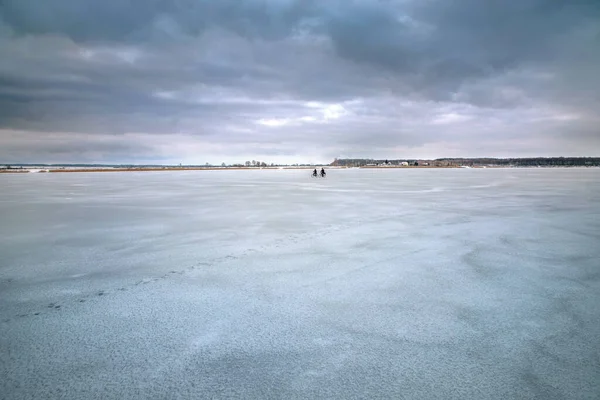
(438, 45)
(142, 20)
(349, 74)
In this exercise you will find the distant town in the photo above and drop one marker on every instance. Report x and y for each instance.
(473, 162)
(337, 163)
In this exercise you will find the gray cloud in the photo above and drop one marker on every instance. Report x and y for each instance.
(148, 20)
(297, 79)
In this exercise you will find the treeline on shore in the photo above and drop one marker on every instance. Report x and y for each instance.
(474, 162)
(342, 162)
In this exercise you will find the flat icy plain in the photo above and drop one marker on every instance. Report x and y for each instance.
(369, 284)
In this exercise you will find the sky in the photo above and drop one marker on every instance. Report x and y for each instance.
(284, 81)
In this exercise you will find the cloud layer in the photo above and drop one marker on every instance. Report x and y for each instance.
(199, 81)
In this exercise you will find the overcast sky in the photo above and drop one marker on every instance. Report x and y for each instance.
(195, 81)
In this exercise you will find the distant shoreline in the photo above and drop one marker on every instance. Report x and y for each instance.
(153, 169)
(166, 169)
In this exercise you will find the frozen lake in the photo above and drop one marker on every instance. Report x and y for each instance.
(371, 283)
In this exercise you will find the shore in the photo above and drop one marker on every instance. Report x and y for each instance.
(144, 169)
(141, 169)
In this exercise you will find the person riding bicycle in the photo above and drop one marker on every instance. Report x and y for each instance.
(322, 172)
(314, 173)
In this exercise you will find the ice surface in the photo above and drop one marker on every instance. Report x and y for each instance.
(371, 283)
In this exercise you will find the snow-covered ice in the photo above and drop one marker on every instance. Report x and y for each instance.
(371, 283)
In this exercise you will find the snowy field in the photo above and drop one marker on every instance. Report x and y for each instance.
(369, 284)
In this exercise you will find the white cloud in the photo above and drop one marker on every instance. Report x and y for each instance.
(450, 118)
(273, 122)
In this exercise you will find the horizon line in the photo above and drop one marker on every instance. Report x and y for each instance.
(286, 164)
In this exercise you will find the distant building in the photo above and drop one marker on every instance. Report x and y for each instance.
(404, 164)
